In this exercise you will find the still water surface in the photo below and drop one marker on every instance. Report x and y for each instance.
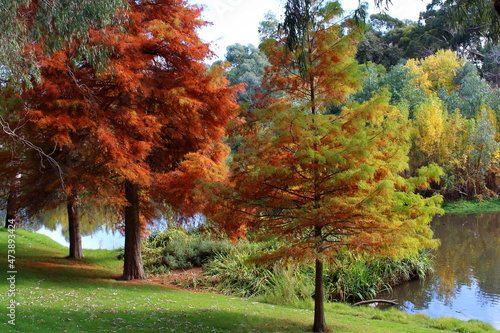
(466, 281)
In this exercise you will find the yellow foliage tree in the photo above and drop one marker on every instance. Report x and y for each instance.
(456, 138)
(436, 71)
(429, 128)
(441, 138)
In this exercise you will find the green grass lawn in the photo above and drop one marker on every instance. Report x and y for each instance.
(55, 294)
(472, 206)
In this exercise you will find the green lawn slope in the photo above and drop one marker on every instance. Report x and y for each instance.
(55, 294)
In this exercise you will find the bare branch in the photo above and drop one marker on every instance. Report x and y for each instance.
(12, 133)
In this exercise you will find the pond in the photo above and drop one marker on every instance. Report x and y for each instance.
(466, 281)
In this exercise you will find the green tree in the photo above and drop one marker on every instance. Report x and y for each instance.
(471, 94)
(483, 14)
(435, 30)
(11, 155)
(373, 81)
(247, 65)
(322, 183)
(372, 48)
(268, 28)
(405, 93)
(55, 24)
(491, 65)
(484, 149)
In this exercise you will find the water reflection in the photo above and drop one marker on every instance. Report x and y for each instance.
(466, 282)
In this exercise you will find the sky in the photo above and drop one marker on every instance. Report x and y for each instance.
(237, 21)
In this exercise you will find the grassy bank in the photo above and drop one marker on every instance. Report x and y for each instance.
(57, 294)
(472, 206)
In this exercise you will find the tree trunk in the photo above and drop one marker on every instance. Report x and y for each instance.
(75, 237)
(11, 216)
(132, 266)
(319, 295)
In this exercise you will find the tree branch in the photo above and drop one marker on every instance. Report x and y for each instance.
(12, 133)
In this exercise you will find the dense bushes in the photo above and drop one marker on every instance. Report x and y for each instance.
(232, 269)
(176, 249)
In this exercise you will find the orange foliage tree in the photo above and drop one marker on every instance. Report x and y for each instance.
(322, 183)
(140, 132)
(61, 123)
(54, 25)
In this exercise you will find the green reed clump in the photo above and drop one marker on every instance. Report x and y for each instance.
(291, 285)
(354, 277)
(236, 273)
(349, 278)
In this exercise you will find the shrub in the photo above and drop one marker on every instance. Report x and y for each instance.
(176, 249)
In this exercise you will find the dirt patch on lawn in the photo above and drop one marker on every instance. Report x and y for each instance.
(186, 279)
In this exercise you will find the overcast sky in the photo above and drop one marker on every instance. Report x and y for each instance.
(237, 21)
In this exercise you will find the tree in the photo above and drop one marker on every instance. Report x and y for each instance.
(445, 124)
(142, 130)
(490, 70)
(471, 93)
(485, 149)
(383, 21)
(481, 13)
(135, 134)
(247, 65)
(404, 89)
(55, 24)
(269, 27)
(58, 110)
(437, 72)
(10, 155)
(323, 183)
(175, 113)
(440, 135)
(373, 49)
(437, 29)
